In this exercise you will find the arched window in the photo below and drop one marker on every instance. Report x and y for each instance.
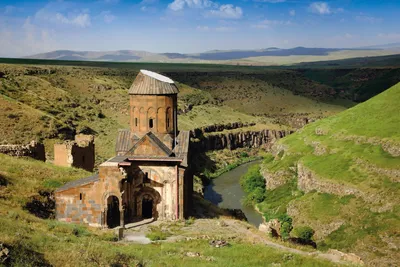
(167, 123)
(151, 123)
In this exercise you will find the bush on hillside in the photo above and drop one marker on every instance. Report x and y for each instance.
(286, 225)
(252, 179)
(254, 185)
(305, 233)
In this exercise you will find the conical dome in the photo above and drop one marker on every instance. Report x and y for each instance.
(151, 83)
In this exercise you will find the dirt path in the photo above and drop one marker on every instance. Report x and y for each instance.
(227, 229)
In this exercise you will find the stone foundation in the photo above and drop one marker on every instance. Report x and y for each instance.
(33, 150)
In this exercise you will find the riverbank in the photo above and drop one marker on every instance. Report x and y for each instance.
(226, 192)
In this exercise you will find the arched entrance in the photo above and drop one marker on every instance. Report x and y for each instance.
(148, 200)
(113, 213)
(147, 207)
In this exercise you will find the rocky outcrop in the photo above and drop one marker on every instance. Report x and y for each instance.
(349, 257)
(308, 181)
(221, 127)
(249, 139)
(272, 227)
(275, 179)
(33, 150)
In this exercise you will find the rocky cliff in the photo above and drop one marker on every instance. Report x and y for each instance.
(233, 140)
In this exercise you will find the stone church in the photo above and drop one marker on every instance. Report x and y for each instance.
(149, 177)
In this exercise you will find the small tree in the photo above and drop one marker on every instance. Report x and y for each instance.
(305, 233)
(286, 225)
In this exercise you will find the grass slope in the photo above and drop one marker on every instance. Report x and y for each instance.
(34, 241)
(354, 160)
(52, 103)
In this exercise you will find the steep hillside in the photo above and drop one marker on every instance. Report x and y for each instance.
(30, 237)
(341, 177)
(52, 103)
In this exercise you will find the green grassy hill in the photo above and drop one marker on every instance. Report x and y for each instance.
(341, 177)
(53, 103)
(33, 238)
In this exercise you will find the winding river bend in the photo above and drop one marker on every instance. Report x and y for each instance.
(226, 192)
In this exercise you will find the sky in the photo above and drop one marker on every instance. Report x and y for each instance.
(192, 26)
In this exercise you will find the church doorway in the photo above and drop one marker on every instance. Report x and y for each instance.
(113, 214)
(147, 207)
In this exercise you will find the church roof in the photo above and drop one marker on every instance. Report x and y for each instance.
(156, 142)
(79, 182)
(126, 141)
(151, 83)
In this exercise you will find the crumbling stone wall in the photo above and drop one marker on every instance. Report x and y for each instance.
(33, 150)
(78, 153)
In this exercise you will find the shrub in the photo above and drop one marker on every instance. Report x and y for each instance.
(257, 196)
(254, 185)
(244, 155)
(286, 225)
(305, 233)
(252, 179)
(157, 235)
(189, 221)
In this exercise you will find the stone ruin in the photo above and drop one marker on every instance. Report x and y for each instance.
(33, 150)
(77, 153)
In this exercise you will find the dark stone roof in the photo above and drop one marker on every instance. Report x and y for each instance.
(79, 182)
(182, 147)
(124, 140)
(180, 150)
(151, 83)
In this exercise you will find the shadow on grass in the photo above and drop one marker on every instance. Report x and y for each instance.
(42, 205)
(21, 255)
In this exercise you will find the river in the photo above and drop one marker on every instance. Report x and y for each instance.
(226, 192)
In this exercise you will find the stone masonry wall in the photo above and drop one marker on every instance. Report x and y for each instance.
(78, 153)
(33, 149)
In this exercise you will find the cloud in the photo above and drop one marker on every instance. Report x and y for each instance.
(53, 12)
(110, 1)
(9, 9)
(107, 16)
(203, 28)
(266, 24)
(271, 1)
(25, 39)
(225, 29)
(292, 12)
(321, 8)
(216, 29)
(389, 36)
(369, 19)
(80, 20)
(227, 11)
(177, 5)
(348, 36)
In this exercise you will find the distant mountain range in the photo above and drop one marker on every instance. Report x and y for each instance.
(209, 56)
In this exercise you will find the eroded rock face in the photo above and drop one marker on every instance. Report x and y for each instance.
(308, 181)
(273, 227)
(250, 139)
(274, 180)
